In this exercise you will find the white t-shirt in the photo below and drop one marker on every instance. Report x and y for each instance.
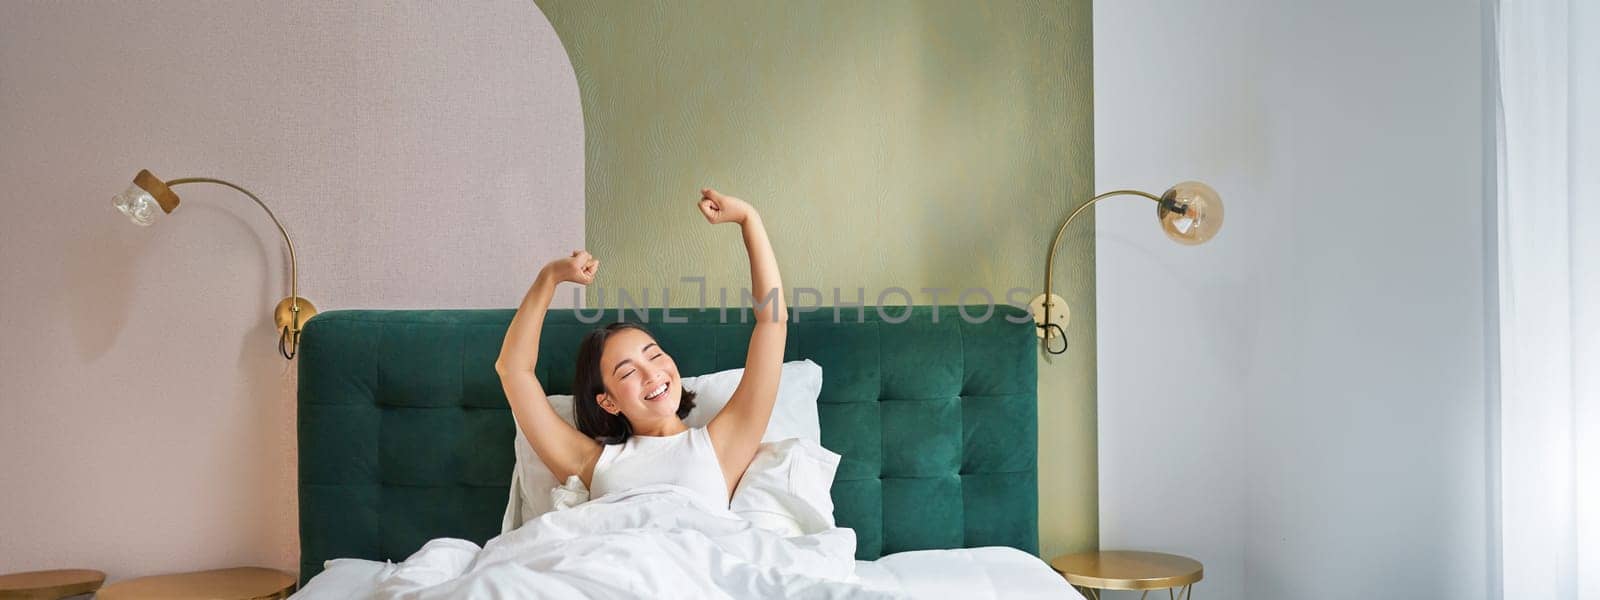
(685, 459)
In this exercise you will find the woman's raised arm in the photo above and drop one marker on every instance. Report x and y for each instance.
(562, 448)
(736, 431)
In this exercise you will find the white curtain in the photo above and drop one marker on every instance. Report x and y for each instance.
(1548, 229)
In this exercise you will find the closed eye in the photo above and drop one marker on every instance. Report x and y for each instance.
(658, 355)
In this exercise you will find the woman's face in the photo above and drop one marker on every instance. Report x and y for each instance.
(641, 381)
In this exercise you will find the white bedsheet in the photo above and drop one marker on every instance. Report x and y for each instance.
(658, 542)
(967, 573)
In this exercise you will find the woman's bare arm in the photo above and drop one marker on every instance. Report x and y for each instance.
(562, 448)
(736, 431)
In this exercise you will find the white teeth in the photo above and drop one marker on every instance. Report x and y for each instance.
(659, 391)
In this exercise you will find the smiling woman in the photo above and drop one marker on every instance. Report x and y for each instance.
(630, 402)
(604, 420)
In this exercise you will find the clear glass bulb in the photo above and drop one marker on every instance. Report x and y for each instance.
(138, 204)
(1198, 215)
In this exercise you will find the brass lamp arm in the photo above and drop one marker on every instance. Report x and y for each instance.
(1190, 213)
(150, 197)
(1050, 260)
(294, 272)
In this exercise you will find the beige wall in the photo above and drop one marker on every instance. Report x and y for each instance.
(909, 144)
(422, 156)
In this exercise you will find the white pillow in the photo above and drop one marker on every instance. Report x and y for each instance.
(787, 488)
(794, 416)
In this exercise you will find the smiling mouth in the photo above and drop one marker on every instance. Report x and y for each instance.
(657, 393)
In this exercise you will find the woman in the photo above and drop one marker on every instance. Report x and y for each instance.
(627, 388)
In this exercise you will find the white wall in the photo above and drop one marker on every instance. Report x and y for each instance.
(1301, 403)
(422, 156)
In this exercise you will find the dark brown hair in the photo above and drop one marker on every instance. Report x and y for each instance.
(588, 383)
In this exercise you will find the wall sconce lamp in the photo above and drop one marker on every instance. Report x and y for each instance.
(1190, 213)
(149, 197)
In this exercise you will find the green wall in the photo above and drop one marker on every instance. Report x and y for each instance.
(887, 144)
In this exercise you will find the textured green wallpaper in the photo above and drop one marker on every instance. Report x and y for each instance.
(887, 144)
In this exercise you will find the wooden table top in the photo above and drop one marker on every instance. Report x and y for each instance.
(245, 583)
(1127, 570)
(54, 584)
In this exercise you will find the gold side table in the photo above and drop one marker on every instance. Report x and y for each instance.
(50, 585)
(246, 583)
(1091, 572)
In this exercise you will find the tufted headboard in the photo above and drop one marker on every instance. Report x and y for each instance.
(405, 434)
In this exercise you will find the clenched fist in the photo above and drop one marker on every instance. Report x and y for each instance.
(718, 208)
(579, 268)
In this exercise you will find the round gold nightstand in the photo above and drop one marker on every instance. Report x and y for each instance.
(1091, 572)
(247, 583)
(50, 585)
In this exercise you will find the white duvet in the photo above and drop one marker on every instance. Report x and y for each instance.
(662, 542)
(655, 541)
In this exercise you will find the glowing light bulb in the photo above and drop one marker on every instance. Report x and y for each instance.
(1190, 213)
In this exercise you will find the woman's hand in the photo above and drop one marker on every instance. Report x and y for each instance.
(579, 268)
(718, 208)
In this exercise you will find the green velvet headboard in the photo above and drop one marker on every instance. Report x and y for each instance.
(405, 434)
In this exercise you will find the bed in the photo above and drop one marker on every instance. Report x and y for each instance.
(405, 435)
